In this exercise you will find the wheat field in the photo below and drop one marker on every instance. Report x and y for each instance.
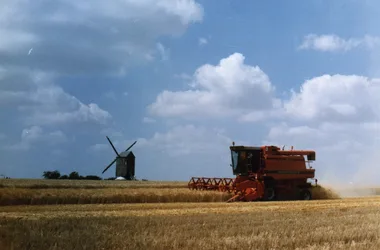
(330, 222)
(54, 192)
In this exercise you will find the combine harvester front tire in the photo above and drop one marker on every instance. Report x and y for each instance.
(305, 194)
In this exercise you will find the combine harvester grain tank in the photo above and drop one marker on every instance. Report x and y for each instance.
(264, 173)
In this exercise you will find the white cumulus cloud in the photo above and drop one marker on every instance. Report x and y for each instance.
(229, 88)
(35, 134)
(39, 101)
(333, 42)
(341, 98)
(88, 36)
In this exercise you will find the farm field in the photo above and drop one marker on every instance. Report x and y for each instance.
(350, 223)
(44, 192)
(87, 184)
(169, 216)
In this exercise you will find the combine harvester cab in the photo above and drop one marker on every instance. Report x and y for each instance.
(264, 173)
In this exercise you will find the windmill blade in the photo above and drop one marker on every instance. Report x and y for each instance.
(114, 149)
(109, 166)
(131, 146)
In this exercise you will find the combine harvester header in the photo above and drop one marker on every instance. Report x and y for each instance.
(264, 173)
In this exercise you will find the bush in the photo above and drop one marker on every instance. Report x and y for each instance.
(92, 177)
(72, 176)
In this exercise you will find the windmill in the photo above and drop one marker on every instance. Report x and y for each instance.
(125, 163)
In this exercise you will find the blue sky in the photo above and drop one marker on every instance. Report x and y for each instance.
(185, 79)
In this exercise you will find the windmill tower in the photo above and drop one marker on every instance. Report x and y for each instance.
(125, 163)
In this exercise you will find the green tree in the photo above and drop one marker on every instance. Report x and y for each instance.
(51, 174)
(74, 176)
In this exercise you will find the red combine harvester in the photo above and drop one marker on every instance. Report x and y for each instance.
(264, 173)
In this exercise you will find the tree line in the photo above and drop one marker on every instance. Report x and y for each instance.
(72, 176)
